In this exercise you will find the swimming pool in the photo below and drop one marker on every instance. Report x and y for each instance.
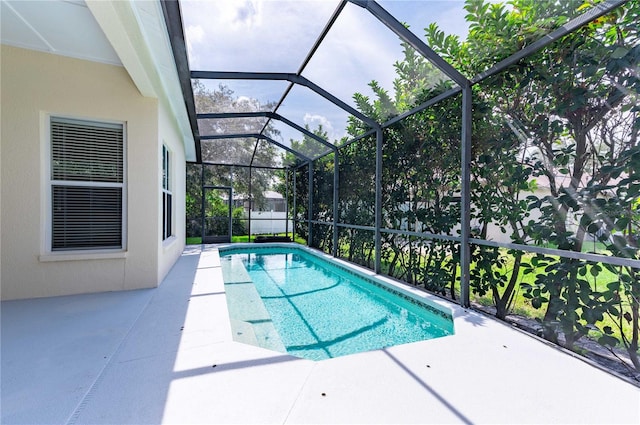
(290, 299)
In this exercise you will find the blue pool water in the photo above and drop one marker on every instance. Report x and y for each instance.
(314, 309)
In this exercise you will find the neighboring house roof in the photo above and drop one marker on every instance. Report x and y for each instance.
(119, 32)
(267, 194)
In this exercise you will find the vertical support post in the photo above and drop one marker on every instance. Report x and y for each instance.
(286, 203)
(295, 207)
(310, 212)
(378, 205)
(465, 176)
(250, 206)
(336, 193)
(231, 174)
(230, 214)
(202, 214)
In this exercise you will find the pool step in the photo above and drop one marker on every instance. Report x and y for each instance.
(243, 332)
(250, 320)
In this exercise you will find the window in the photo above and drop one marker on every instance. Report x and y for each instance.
(87, 185)
(167, 196)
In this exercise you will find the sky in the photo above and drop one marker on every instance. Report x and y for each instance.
(276, 36)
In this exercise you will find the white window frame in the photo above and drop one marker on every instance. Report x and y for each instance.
(167, 194)
(47, 251)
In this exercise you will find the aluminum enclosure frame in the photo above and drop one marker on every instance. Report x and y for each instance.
(464, 87)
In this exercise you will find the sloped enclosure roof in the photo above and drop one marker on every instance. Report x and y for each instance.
(274, 74)
(302, 81)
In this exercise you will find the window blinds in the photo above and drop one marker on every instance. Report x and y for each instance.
(86, 185)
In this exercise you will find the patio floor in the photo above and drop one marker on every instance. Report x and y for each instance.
(166, 355)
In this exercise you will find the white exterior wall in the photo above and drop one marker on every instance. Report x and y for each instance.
(169, 250)
(34, 86)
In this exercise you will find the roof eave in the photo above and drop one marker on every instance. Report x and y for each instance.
(138, 33)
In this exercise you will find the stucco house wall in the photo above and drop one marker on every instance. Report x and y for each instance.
(36, 85)
(169, 251)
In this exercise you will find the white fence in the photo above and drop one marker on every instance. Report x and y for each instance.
(266, 222)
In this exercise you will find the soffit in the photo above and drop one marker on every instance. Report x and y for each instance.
(132, 34)
(65, 28)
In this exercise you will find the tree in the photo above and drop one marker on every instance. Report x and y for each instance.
(564, 117)
(239, 150)
(229, 151)
(567, 103)
(412, 199)
(323, 183)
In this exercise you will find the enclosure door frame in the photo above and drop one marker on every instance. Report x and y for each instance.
(217, 238)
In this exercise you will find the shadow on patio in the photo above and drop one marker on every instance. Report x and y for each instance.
(166, 355)
(117, 357)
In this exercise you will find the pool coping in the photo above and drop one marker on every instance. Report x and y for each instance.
(166, 355)
(444, 307)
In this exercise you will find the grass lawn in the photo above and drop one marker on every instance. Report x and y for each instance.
(244, 238)
(521, 305)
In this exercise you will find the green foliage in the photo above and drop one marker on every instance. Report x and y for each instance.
(248, 185)
(555, 162)
(567, 115)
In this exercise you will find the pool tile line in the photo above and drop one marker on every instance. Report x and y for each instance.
(402, 295)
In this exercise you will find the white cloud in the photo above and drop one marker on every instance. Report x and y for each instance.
(195, 33)
(313, 120)
(256, 35)
(194, 37)
(243, 14)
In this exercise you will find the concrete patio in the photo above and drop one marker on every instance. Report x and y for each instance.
(166, 355)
